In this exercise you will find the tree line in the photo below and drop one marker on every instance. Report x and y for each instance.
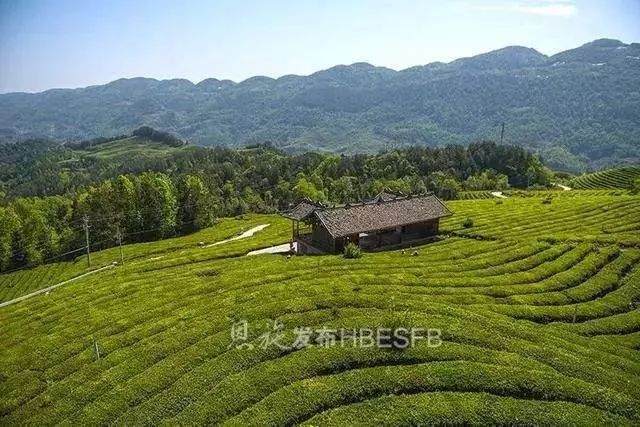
(187, 190)
(142, 207)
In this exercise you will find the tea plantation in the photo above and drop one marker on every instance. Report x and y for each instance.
(611, 178)
(537, 303)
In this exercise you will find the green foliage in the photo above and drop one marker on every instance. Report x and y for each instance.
(351, 250)
(287, 178)
(505, 302)
(9, 224)
(140, 207)
(202, 184)
(635, 188)
(468, 222)
(157, 195)
(360, 107)
(307, 189)
(444, 185)
(487, 180)
(156, 135)
(166, 351)
(197, 204)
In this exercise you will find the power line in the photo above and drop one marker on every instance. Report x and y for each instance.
(123, 214)
(119, 237)
(158, 228)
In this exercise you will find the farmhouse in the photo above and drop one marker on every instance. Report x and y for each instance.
(387, 220)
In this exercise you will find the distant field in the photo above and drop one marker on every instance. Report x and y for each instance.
(610, 178)
(471, 195)
(128, 147)
(574, 193)
(557, 192)
(538, 304)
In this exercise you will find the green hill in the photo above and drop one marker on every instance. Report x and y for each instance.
(612, 178)
(42, 167)
(537, 305)
(128, 147)
(361, 107)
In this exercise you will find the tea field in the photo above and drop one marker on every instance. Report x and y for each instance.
(537, 300)
(611, 178)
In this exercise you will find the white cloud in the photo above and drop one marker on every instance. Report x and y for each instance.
(562, 8)
(548, 10)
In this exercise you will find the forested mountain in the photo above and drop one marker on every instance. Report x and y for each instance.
(579, 108)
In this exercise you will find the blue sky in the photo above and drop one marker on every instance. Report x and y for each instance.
(73, 43)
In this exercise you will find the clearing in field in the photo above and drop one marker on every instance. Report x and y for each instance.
(536, 300)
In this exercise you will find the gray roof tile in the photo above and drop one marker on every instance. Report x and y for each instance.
(384, 211)
(302, 210)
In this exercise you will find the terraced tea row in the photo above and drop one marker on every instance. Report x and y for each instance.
(610, 178)
(472, 195)
(537, 323)
(605, 219)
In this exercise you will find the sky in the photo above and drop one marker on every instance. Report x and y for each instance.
(75, 43)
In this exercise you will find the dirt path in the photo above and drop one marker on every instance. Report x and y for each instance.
(279, 249)
(244, 235)
(564, 187)
(498, 194)
(44, 290)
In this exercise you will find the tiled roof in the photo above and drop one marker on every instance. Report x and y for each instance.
(302, 210)
(385, 197)
(380, 214)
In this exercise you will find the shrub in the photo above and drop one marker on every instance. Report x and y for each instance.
(158, 136)
(352, 251)
(547, 200)
(468, 223)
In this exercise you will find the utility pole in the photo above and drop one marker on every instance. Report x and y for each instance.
(86, 235)
(120, 244)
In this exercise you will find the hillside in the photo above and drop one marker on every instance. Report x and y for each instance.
(126, 148)
(537, 304)
(579, 108)
(44, 167)
(612, 178)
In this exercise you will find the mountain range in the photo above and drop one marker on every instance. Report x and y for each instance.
(580, 109)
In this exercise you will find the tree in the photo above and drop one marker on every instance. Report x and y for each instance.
(444, 185)
(158, 198)
(126, 191)
(197, 206)
(343, 189)
(33, 238)
(9, 223)
(306, 189)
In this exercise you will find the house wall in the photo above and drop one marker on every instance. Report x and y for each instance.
(321, 238)
(399, 235)
(421, 229)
